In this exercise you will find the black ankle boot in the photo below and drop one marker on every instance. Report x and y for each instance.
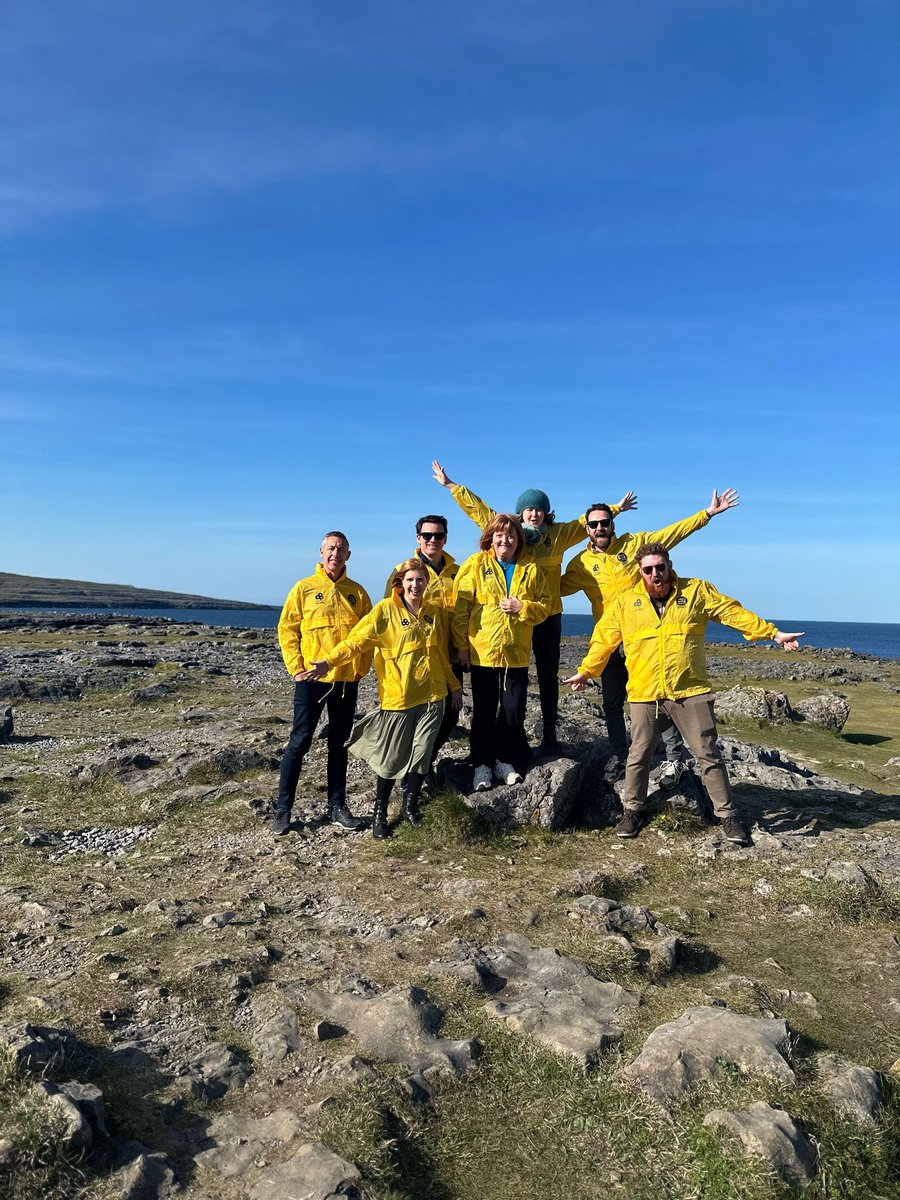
(411, 787)
(380, 827)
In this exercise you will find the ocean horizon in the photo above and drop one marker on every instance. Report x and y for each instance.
(879, 638)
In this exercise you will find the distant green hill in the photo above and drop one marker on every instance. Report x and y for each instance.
(51, 593)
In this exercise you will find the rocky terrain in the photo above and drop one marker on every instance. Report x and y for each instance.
(506, 1001)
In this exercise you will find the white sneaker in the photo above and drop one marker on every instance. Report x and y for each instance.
(506, 773)
(669, 774)
(482, 779)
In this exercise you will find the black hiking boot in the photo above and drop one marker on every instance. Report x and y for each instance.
(630, 824)
(281, 822)
(380, 828)
(340, 814)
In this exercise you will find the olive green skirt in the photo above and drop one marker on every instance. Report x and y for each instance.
(397, 743)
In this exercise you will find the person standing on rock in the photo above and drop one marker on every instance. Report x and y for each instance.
(318, 614)
(607, 568)
(661, 621)
(409, 634)
(546, 542)
(442, 569)
(499, 599)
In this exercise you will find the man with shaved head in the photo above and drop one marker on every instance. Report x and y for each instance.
(319, 612)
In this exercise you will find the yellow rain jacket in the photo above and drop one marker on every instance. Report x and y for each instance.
(440, 583)
(410, 652)
(493, 637)
(604, 574)
(666, 656)
(548, 554)
(318, 614)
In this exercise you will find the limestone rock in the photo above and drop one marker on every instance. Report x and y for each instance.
(399, 1025)
(278, 1037)
(847, 872)
(830, 711)
(853, 1091)
(145, 1177)
(80, 1105)
(37, 1046)
(770, 1134)
(314, 1173)
(757, 703)
(238, 1141)
(6, 723)
(687, 1052)
(543, 994)
(213, 1072)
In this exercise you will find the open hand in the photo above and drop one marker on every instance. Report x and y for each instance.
(441, 475)
(628, 501)
(719, 504)
(788, 641)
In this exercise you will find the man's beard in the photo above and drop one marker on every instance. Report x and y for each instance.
(658, 591)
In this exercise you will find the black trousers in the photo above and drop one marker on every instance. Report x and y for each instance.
(451, 715)
(309, 700)
(498, 716)
(545, 640)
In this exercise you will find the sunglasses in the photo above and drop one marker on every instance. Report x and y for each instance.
(433, 537)
(603, 522)
(656, 569)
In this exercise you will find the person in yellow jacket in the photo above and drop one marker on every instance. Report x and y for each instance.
(318, 613)
(500, 598)
(409, 634)
(442, 568)
(605, 569)
(661, 621)
(547, 541)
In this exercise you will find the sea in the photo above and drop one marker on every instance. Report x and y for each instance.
(880, 639)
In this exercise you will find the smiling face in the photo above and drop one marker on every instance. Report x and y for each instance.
(334, 554)
(533, 516)
(505, 544)
(601, 528)
(413, 585)
(431, 541)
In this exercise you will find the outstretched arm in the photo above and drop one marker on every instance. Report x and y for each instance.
(719, 504)
(441, 475)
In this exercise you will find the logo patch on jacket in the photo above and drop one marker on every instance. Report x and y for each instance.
(681, 601)
(428, 620)
(596, 570)
(637, 604)
(352, 599)
(489, 571)
(320, 596)
(621, 557)
(404, 621)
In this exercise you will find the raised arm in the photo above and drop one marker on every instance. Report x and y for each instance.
(727, 611)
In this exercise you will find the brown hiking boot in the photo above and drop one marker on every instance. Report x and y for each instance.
(735, 831)
(630, 824)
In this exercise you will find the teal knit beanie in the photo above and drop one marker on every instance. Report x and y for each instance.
(533, 499)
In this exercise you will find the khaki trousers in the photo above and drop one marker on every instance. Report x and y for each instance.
(696, 722)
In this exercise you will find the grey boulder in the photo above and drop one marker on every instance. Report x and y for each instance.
(544, 995)
(400, 1026)
(314, 1173)
(687, 1052)
(851, 1090)
(770, 1134)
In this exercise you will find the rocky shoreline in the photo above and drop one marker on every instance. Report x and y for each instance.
(196, 1009)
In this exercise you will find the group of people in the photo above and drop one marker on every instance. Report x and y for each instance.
(440, 619)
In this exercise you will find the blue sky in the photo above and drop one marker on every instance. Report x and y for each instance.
(264, 261)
